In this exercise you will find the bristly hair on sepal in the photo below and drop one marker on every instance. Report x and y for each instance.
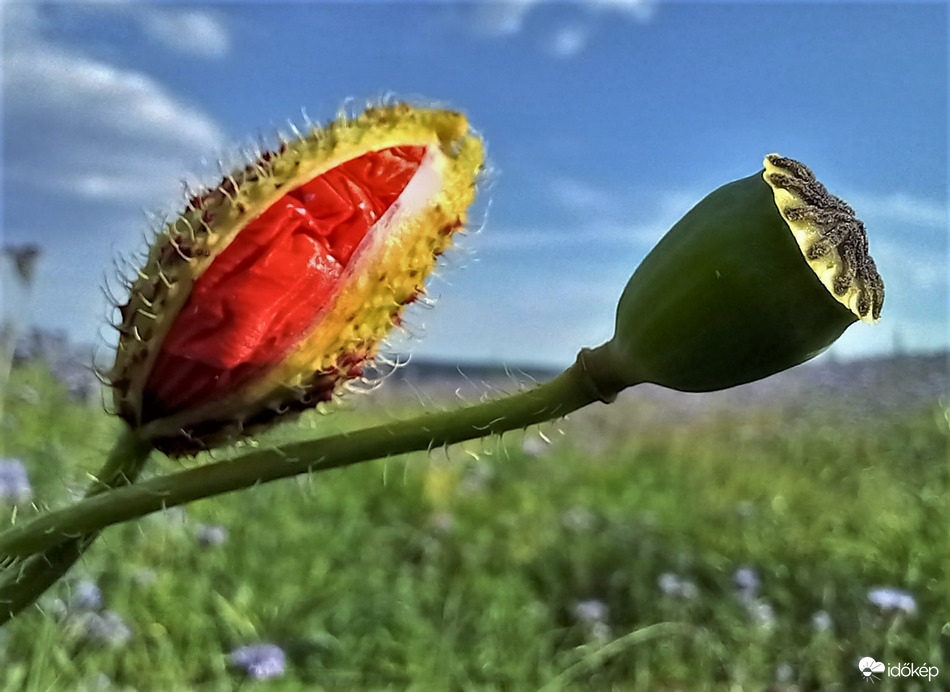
(276, 286)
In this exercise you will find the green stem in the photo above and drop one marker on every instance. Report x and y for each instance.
(588, 380)
(27, 574)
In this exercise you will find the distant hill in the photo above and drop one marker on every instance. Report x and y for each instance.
(892, 382)
(419, 372)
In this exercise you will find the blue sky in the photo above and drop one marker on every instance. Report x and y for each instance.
(605, 122)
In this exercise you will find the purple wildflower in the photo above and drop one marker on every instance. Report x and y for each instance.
(85, 596)
(747, 583)
(890, 599)
(674, 586)
(591, 611)
(14, 484)
(593, 615)
(259, 661)
(821, 621)
(211, 535)
(106, 627)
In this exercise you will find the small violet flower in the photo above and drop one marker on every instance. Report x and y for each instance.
(14, 484)
(107, 627)
(210, 535)
(85, 596)
(894, 600)
(591, 611)
(747, 583)
(821, 621)
(675, 586)
(259, 661)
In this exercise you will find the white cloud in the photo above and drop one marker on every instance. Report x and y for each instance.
(500, 18)
(581, 196)
(570, 41)
(635, 217)
(899, 206)
(912, 267)
(98, 132)
(639, 10)
(187, 31)
(82, 126)
(508, 19)
(127, 102)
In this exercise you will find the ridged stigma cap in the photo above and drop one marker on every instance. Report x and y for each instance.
(278, 285)
(763, 274)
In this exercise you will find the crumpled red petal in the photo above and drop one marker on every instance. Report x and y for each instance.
(267, 289)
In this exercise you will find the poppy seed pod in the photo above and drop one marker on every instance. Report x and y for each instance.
(763, 274)
(279, 284)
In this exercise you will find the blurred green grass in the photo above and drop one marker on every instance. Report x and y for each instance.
(470, 568)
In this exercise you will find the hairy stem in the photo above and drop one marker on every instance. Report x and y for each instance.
(588, 380)
(27, 574)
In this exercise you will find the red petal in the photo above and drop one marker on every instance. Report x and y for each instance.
(265, 291)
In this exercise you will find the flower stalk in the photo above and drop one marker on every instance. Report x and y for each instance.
(24, 576)
(588, 380)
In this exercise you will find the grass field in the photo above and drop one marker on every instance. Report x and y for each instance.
(646, 548)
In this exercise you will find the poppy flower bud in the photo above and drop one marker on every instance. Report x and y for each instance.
(276, 286)
(763, 274)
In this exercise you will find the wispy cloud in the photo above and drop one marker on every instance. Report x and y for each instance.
(508, 19)
(912, 267)
(92, 129)
(900, 206)
(578, 195)
(639, 10)
(500, 18)
(583, 197)
(194, 32)
(570, 41)
(639, 218)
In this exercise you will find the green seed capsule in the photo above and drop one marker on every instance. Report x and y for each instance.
(763, 274)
